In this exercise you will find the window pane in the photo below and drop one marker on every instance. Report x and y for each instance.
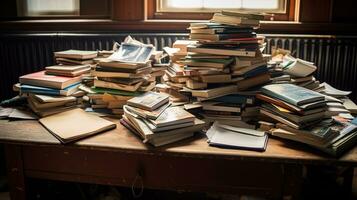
(222, 4)
(183, 4)
(216, 5)
(260, 4)
(46, 7)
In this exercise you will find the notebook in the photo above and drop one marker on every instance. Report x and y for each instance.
(226, 138)
(75, 124)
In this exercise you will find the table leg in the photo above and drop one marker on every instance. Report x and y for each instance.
(15, 173)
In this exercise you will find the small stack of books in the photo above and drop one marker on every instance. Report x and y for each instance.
(50, 94)
(292, 105)
(151, 117)
(124, 74)
(75, 57)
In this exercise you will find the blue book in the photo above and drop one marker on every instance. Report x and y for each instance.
(292, 94)
(236, 98)
(257, 71)
(50, 91)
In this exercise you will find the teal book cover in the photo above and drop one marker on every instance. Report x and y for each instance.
(292, 94)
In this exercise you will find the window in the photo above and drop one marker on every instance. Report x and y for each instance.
(48, 8)
(203, 9)
(275, 6)
(63, 8)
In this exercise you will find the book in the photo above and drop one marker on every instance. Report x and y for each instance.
(146, 134)
(215, 92)
(253, 81)
(43, 80)
(233, 138)
(117, 86)
(248, 15)
(119, 74)
(50, 99)
(148, 114)
(195, 85)
(221, 30)
(157, 141)
(204, 62)
(149, 100)
(49, 91)
(234, 20)
(292, 94)
(236, 98)
(41, 105)
(66, 126)
(113, 91)
(219, 78)
(218, 37)
(298, 67)
(172, 116)
(233, 51)
(298, 119)
(76, 54)
(122, 65)
(222, 107)
(307, 109)
(132, 53)
(67, 61)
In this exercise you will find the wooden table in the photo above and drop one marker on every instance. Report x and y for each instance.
(119, 158)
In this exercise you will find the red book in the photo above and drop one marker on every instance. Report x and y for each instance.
(51, 81)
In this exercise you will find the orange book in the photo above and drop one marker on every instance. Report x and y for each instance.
(51, 81)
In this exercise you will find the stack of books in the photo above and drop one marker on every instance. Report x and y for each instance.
(124, 74)
(175, 77)
(50, 94)
(151, 117)
(299, 114)
(226, 65)
(75, 57)
(292, 105)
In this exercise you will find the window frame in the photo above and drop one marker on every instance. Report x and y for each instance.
(154, 14)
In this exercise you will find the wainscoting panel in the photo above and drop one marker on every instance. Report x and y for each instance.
(21, 53)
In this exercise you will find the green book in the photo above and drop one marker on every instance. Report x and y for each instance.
(292, 94)
(114, 92)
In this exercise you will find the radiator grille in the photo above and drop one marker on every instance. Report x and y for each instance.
(336, 58)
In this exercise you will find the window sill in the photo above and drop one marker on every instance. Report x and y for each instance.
(283, 27)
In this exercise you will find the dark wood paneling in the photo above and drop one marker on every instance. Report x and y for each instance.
(315, 10)
(8, 9)
(125, 10)
(344, 11)
(93, 8)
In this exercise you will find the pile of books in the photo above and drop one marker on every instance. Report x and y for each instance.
(226, 66)
(299, 114)
(124, 74)
(152, 118)
(56, 89)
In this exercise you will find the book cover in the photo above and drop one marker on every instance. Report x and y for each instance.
(292, 94)
(149, 100)
(66, 125)
(43, 80)
(172, 116)
(76, 54)
(49, 91)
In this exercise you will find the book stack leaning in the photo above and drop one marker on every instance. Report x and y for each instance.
(55, 89)
(152, 118)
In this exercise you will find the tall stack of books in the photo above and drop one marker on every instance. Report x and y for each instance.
(225, 64)
(126, 73)
(151, 117)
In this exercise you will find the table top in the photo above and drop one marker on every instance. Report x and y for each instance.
(31, 132)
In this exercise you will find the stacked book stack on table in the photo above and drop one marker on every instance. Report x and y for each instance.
(56, 89)
(153, 119)
(121, 76)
